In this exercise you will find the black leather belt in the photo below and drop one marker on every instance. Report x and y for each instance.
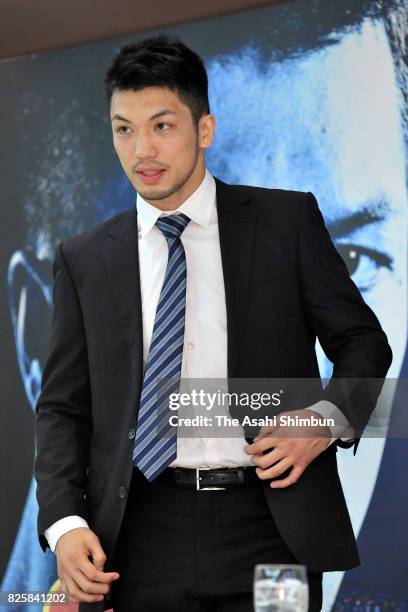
(203, 479)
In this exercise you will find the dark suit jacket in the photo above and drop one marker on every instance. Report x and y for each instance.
(285, 284)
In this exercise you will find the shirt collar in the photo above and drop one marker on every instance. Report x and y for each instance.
(200, 207)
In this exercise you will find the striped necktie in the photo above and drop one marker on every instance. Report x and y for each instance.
(156, 440)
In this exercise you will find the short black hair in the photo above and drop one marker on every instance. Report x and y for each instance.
(161, 61)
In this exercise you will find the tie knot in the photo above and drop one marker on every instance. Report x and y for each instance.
(172, 226)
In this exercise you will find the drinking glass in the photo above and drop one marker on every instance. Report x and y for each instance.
(280, 588)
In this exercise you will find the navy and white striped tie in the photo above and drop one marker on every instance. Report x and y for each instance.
(156, 440)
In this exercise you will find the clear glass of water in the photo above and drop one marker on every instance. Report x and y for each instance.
(281, 588)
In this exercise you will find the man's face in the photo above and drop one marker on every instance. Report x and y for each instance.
(159, 147)
(320, 122)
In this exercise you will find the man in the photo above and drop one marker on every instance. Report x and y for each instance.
(204, 280)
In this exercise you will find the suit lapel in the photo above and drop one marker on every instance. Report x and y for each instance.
(237, 216)
(121, 258)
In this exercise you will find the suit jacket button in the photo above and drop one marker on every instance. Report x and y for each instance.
(122, 492)
(131, 434)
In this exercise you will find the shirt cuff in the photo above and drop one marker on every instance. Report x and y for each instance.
(341, 428)
(59, 528)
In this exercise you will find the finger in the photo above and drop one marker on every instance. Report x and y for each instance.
(267, 460)
(95, 575)
(62, 587)
(88, 586)
(265, 431)
(76, 594)
(96, 551)
(276, 470)
(290, 480)
(70, 588)
(263, 444)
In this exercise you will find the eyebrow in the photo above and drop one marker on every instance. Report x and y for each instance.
(348, 224)
(165, 111)
(119, 118)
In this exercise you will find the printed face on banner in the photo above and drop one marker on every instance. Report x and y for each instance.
(329, 121)
(322, 123)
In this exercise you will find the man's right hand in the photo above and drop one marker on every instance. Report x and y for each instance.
(82, 579)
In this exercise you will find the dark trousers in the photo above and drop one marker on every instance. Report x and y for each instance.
(182, 550)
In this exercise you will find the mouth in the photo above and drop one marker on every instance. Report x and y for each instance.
(149, 177)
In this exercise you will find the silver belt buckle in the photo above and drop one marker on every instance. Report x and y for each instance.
(198, 488)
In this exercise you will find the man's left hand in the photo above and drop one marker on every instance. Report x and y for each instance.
(290, 447)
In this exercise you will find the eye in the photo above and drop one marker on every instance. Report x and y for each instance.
(122, 130)
(363, 263)
(162, 123)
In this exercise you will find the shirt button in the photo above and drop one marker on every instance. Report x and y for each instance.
(122, 492)
(132, 433)
(191, 345)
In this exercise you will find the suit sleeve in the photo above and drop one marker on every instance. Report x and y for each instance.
(63, 423)
(348, 330)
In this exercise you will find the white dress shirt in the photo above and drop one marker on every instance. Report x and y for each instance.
(205, 336)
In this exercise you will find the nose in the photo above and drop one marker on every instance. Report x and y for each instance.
(144, 147)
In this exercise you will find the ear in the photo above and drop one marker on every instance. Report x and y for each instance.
(206, 131)
(30, 303)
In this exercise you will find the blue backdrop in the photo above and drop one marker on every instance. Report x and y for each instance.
(308, 95)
